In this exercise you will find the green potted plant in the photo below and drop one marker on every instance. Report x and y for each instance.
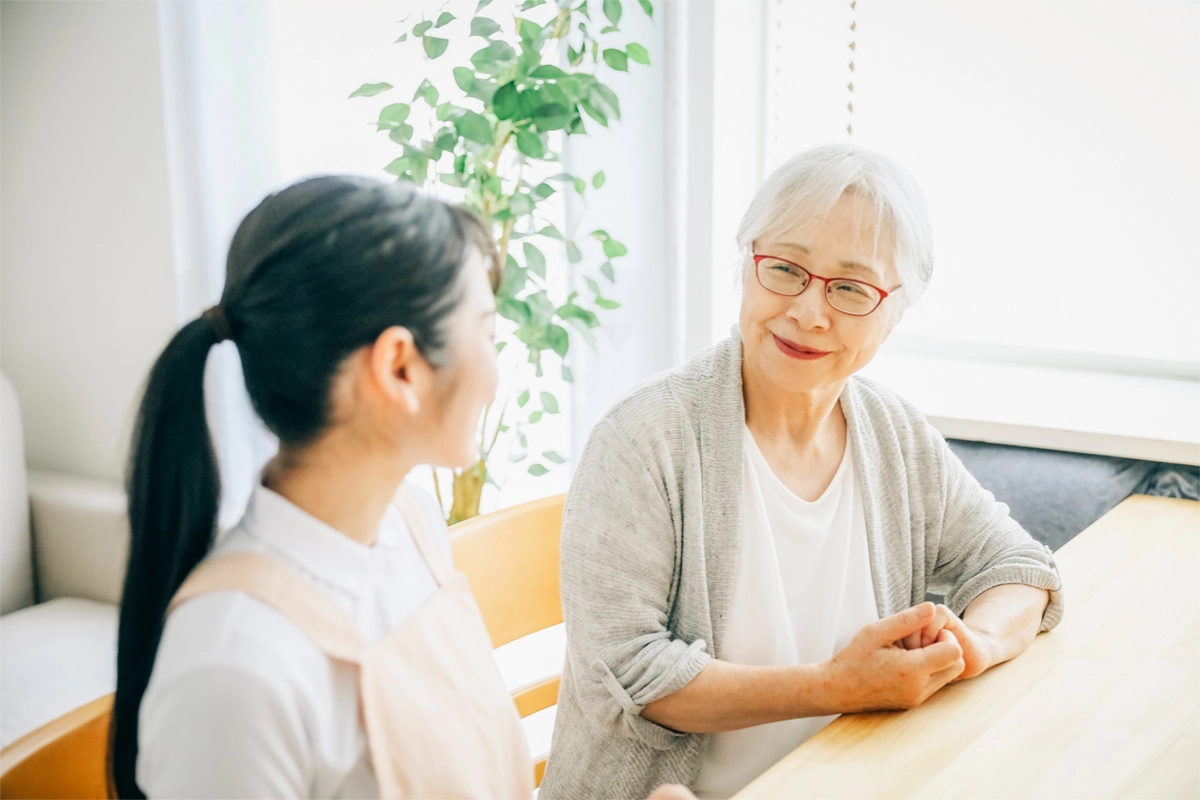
(494, 142)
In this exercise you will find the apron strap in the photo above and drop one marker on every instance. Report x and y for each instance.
(409, 505)
(284, 590)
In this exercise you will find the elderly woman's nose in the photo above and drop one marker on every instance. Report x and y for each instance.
(810, 310)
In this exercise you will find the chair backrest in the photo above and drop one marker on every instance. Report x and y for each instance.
(510, 558)
(65, 758)
(16, 558)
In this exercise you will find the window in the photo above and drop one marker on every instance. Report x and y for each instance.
(1055, 142)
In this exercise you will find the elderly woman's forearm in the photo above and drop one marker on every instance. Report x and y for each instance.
(1009, 617)
(727, 697)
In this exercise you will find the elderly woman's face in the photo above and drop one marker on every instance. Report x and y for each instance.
(802, 343)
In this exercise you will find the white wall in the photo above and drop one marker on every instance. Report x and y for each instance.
(87, 295)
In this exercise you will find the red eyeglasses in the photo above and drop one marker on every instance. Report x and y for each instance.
(780, 276)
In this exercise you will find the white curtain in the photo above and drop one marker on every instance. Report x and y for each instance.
(218, 99)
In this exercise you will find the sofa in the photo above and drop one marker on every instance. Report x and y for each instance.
(63, 545)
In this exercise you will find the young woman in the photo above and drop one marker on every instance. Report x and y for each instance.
(324, 647)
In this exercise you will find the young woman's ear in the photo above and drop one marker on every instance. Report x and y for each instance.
(399, 370)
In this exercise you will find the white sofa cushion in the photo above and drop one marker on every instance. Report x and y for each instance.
(16, 567)
(80, 536)
(54, 657)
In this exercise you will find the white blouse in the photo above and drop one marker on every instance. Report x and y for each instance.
(240, 702)
(803, 589)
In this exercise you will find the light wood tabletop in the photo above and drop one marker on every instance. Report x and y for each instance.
(1106, 705)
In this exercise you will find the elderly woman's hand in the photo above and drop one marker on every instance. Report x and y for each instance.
(977, 650)
(876, 671)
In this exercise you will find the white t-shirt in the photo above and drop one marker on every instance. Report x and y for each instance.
(803, 589)
(240, 702)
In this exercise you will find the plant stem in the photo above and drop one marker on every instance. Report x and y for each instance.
(437, 490)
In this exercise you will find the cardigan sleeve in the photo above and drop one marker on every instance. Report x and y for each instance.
(619, 564)
(981, 546)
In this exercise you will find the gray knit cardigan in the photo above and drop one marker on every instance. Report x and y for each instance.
(650, 540)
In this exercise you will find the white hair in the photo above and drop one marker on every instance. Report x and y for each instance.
(806, 186)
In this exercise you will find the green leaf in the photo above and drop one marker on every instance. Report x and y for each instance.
(401, 134)
(614, 249)
(547, 72)
(528, 4)
(446, 139)
(482, 5)
(515, 310)
(612, 11)
(595, 287)
(560, 341)
(426, 91)
(598, 180)
(434, 46)
(605, 99)
(543, 190)
(567, 375)
(580, 185)
(528, 29)
(370, 89)
(571, 312)
(535, 260)
(649, 9)
(594, 112)
(482, 26)
(523, 398)
(521, 204)
(465, 78)
(549, 403)
(448, 111)
(550, 455)
(530, 143)
(474, 128)
(637, 53)
(506, 101)
(573, 254)
(392, 116)
(550, 232)
(403, 38)
(494, 58)
(574, 57)
(445, 19)
(616, 59)
(552, 117)
(606, 269)
(607, 304)
(536, 470)
(500, 347)
(609, 29)
(535, 417)
(421, 27)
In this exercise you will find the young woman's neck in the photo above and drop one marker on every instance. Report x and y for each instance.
(339, 481)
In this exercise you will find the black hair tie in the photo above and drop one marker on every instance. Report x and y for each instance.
(219, 323)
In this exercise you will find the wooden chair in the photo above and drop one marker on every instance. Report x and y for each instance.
(65, 758)
(510, 558)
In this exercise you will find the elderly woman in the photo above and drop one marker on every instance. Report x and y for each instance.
(749, 539)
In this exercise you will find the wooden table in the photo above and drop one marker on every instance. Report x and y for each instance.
(1106, 705)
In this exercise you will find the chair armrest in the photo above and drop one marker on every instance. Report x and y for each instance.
(80, 536)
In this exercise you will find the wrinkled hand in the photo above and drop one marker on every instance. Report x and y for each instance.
(671, 791)
(976, 649)
(876, 671)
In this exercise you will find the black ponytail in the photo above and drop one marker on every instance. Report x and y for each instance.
(314, 273)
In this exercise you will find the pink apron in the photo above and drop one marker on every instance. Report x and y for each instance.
(438, 720)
